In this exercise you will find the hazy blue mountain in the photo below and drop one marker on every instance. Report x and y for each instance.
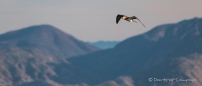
(35, 56)
(104, 44)
(166, 51)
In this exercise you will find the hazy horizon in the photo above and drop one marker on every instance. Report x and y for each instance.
(95, 20)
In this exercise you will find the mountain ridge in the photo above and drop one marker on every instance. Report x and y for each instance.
(47, 37)
(38, 57)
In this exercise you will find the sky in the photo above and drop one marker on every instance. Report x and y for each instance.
(94, 20)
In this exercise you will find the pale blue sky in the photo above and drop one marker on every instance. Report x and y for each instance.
(91, 20)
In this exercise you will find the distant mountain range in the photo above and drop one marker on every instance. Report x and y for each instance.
(45, 56)
(104, 44)
(167, 51)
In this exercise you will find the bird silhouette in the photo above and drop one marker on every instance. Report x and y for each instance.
(129, 19)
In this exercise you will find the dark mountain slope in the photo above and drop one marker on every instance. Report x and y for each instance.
(177, 70)
(139, 53)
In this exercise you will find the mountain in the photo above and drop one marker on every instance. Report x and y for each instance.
(104, 44)
(35, 56)
(47, 38)
(166, 51)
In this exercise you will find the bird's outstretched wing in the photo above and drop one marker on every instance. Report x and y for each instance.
(118, 17)
(134, 17)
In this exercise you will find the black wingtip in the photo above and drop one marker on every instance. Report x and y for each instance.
(118, 17)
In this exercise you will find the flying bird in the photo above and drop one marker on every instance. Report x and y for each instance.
(129, 19)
